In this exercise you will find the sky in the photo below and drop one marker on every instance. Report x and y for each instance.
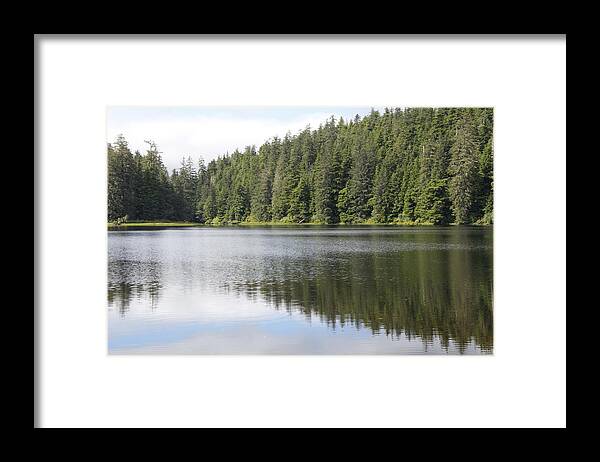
(209, 132)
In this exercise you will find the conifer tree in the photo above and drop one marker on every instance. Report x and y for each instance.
(420, 165)
(464, 170)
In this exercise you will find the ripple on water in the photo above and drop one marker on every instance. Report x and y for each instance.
(301, 291)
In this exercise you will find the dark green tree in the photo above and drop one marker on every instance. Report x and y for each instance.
(416, 165)
(464, 170)
(434, 205)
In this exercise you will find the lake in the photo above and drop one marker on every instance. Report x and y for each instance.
(301, 290)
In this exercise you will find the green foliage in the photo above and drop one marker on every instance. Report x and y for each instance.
(360, 185)
(433, 205)
(121, 221)
(416, 165)
(342, 205)
(464, 166)
(299, 210)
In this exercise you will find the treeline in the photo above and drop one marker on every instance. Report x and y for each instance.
(418, 165)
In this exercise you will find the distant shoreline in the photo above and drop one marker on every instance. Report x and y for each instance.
(402, 167)
(175, 224)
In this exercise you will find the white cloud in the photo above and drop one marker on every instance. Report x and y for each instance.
(205, 135)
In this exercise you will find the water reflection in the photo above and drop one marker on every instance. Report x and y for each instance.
(441, 297)
(121, 294)
(427, 287)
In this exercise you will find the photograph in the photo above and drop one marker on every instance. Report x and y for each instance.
(300, 230)
(228, 225)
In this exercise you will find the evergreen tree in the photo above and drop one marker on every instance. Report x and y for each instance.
(419, 165)
(486, 172)
(433, 204)
(261, 201)
(121, 180)
(360, 184)
(464, 170)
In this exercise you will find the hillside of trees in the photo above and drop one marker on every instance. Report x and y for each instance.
(417, 165)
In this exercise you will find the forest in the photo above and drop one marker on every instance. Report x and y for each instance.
(400, 166)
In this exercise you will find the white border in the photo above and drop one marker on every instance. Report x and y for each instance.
(522, 384)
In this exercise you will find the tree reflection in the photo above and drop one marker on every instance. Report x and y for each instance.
(426, 295)
(428, 292)
(121, 290)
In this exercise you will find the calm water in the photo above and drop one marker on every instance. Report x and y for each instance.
(301, 290)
